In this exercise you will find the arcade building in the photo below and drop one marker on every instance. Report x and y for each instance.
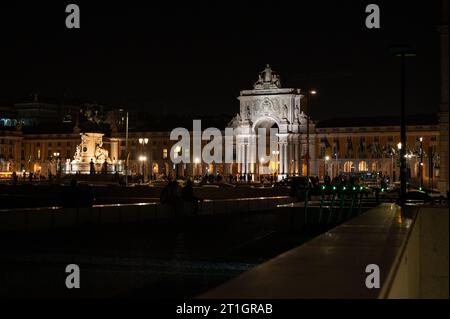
(28, 143)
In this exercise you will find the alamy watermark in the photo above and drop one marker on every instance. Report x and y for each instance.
(73, 279)
(373, 19)
(221, 148)
(73, 19)
(373, 279)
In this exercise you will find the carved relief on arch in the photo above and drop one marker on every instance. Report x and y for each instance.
(276, 106)
(266, 105)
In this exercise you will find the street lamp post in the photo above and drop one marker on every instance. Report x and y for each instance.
(325, 166)
(307, 111)
(402, 52)
(143, 159)
(421, 163)
(127, 152)
(143, 142)
(400, 152)
(57, 168)
(337, 164)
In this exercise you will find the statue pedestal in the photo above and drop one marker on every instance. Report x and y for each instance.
(90, 151)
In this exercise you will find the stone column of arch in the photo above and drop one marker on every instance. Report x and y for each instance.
(284, 156)
(295, 155)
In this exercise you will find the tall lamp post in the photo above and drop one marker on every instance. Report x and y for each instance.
(143, 142)
(307, 111)
(127, 152)
(143, 159)
(402, 52)
(309, 93)
(325, 166)
(337, 164)
(421, 163)
(399, 147)
(57, 164)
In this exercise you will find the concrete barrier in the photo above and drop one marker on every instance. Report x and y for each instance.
(410, 249)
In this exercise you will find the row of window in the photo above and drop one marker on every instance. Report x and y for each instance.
(50, 144)
(133, 143)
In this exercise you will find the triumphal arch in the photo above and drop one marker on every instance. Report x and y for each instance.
(269, 105)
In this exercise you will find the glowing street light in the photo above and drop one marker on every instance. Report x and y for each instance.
(307, 111)
(143, 141)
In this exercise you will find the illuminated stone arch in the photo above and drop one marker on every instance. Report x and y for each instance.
(362, 166)
(348, 167)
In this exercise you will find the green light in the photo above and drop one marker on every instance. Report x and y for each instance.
(334, 187)
(354, 187)
(323, 187)
(382, 190)
(361, 188)
(420, 188)
(344, 188)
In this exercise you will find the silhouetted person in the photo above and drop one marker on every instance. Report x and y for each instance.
(91, 167)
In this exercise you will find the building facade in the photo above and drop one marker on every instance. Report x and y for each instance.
(335, 146)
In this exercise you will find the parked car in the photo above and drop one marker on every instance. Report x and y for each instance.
(298, 186)
(418, 196)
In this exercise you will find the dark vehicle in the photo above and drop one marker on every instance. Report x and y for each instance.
(417, 196)
(298, 186)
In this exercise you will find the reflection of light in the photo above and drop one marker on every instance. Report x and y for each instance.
(399, 146)
(142, 158)
(421, 139)
(327, 158)
(313, 92)
(197, 160)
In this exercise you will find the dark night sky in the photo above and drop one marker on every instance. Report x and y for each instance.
(195, 58)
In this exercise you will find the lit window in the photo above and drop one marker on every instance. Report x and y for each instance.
(165, 153)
